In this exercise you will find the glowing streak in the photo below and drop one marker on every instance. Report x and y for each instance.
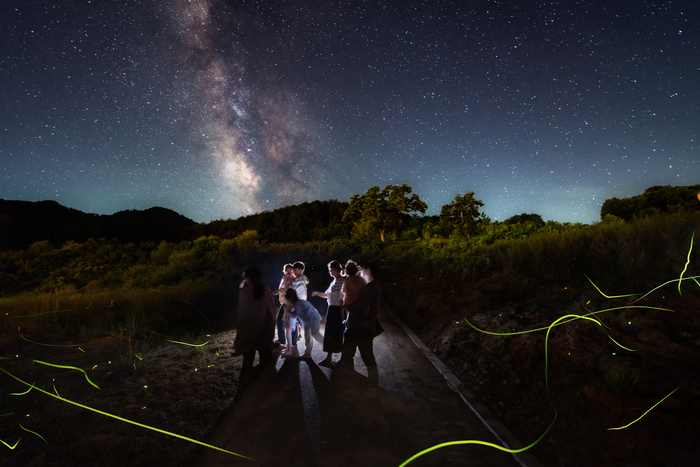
(46, 345)
(68, 368)
(609, 296)
(6, 414)
(185, 343)
(205, 316)
(686, 263)
(11, 447)
(33, 432)
(125, 420)
(586, 316)
(546, 342)
(482, 443)
(620, 345)
(652, 407)
(495, 446)
(38, 314)
(694, 278)
(19, 393)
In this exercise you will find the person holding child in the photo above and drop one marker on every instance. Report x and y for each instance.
(285, 283)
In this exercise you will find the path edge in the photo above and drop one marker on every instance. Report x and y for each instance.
(493, 424)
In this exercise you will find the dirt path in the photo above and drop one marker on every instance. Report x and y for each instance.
(296, 413)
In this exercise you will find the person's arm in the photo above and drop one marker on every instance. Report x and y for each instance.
(319, 294)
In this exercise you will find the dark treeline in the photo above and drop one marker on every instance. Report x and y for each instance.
(655, 200)
(23, 223)
(314, 221)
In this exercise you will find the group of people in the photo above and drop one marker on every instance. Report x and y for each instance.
(351, 320)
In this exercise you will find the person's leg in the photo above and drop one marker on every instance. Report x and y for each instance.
(365, 345)
(290, 348)
(280, 326)
(294, 335)
(308, 340)
(265, 357)
(349, 348)
(246, 369)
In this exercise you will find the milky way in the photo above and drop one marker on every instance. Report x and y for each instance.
(218, 109)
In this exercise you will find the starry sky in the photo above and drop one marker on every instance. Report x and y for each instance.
(218, 109)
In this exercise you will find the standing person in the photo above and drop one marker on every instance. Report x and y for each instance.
(255, 326)
(333, 337)
(353, 283)
(285, 283)
(299, 284)
(311, 318)
(362, 324)
(300, 280)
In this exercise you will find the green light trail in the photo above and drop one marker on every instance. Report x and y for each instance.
(68, 368)
(650, 409)
(116, 417)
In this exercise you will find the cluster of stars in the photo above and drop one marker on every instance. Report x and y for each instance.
(219, 109)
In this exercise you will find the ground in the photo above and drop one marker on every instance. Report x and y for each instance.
(594, 384)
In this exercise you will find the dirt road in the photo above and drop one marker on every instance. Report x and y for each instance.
(296, 413)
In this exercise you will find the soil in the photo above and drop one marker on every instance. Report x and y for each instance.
(594, 384)
(169, 386)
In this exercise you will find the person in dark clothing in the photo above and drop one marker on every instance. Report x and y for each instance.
(255, 325)
(362, 325)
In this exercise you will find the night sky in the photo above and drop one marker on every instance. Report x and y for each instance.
(218, 109)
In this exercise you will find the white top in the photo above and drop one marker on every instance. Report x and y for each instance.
(335, 291)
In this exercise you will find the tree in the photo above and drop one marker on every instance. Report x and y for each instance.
(383, 210)
(463, 214)
(523, 218)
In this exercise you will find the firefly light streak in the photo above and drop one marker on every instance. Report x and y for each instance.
(67, 367)
(185, 343)
(650, 409)
(562, 320)
(685, 268)
(495, 446)
(33, 432)
(116, 417)
(46, 345)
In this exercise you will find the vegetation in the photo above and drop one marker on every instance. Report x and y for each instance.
(382, 210)
(463, 215)
(132, 294)
(655, 200)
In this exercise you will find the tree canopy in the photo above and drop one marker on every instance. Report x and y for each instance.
(382, 210)
(654, 200)
(462, 214)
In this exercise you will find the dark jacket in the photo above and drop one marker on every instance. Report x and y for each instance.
(365, 320)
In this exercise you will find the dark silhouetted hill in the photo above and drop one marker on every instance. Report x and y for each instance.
(24, 222)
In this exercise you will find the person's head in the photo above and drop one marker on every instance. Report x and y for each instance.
(253, 277)
(351, 268)
(282, 296)
(287, 268)
(298, 268)
(370, 270)
(335, 269)
(290, 296)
